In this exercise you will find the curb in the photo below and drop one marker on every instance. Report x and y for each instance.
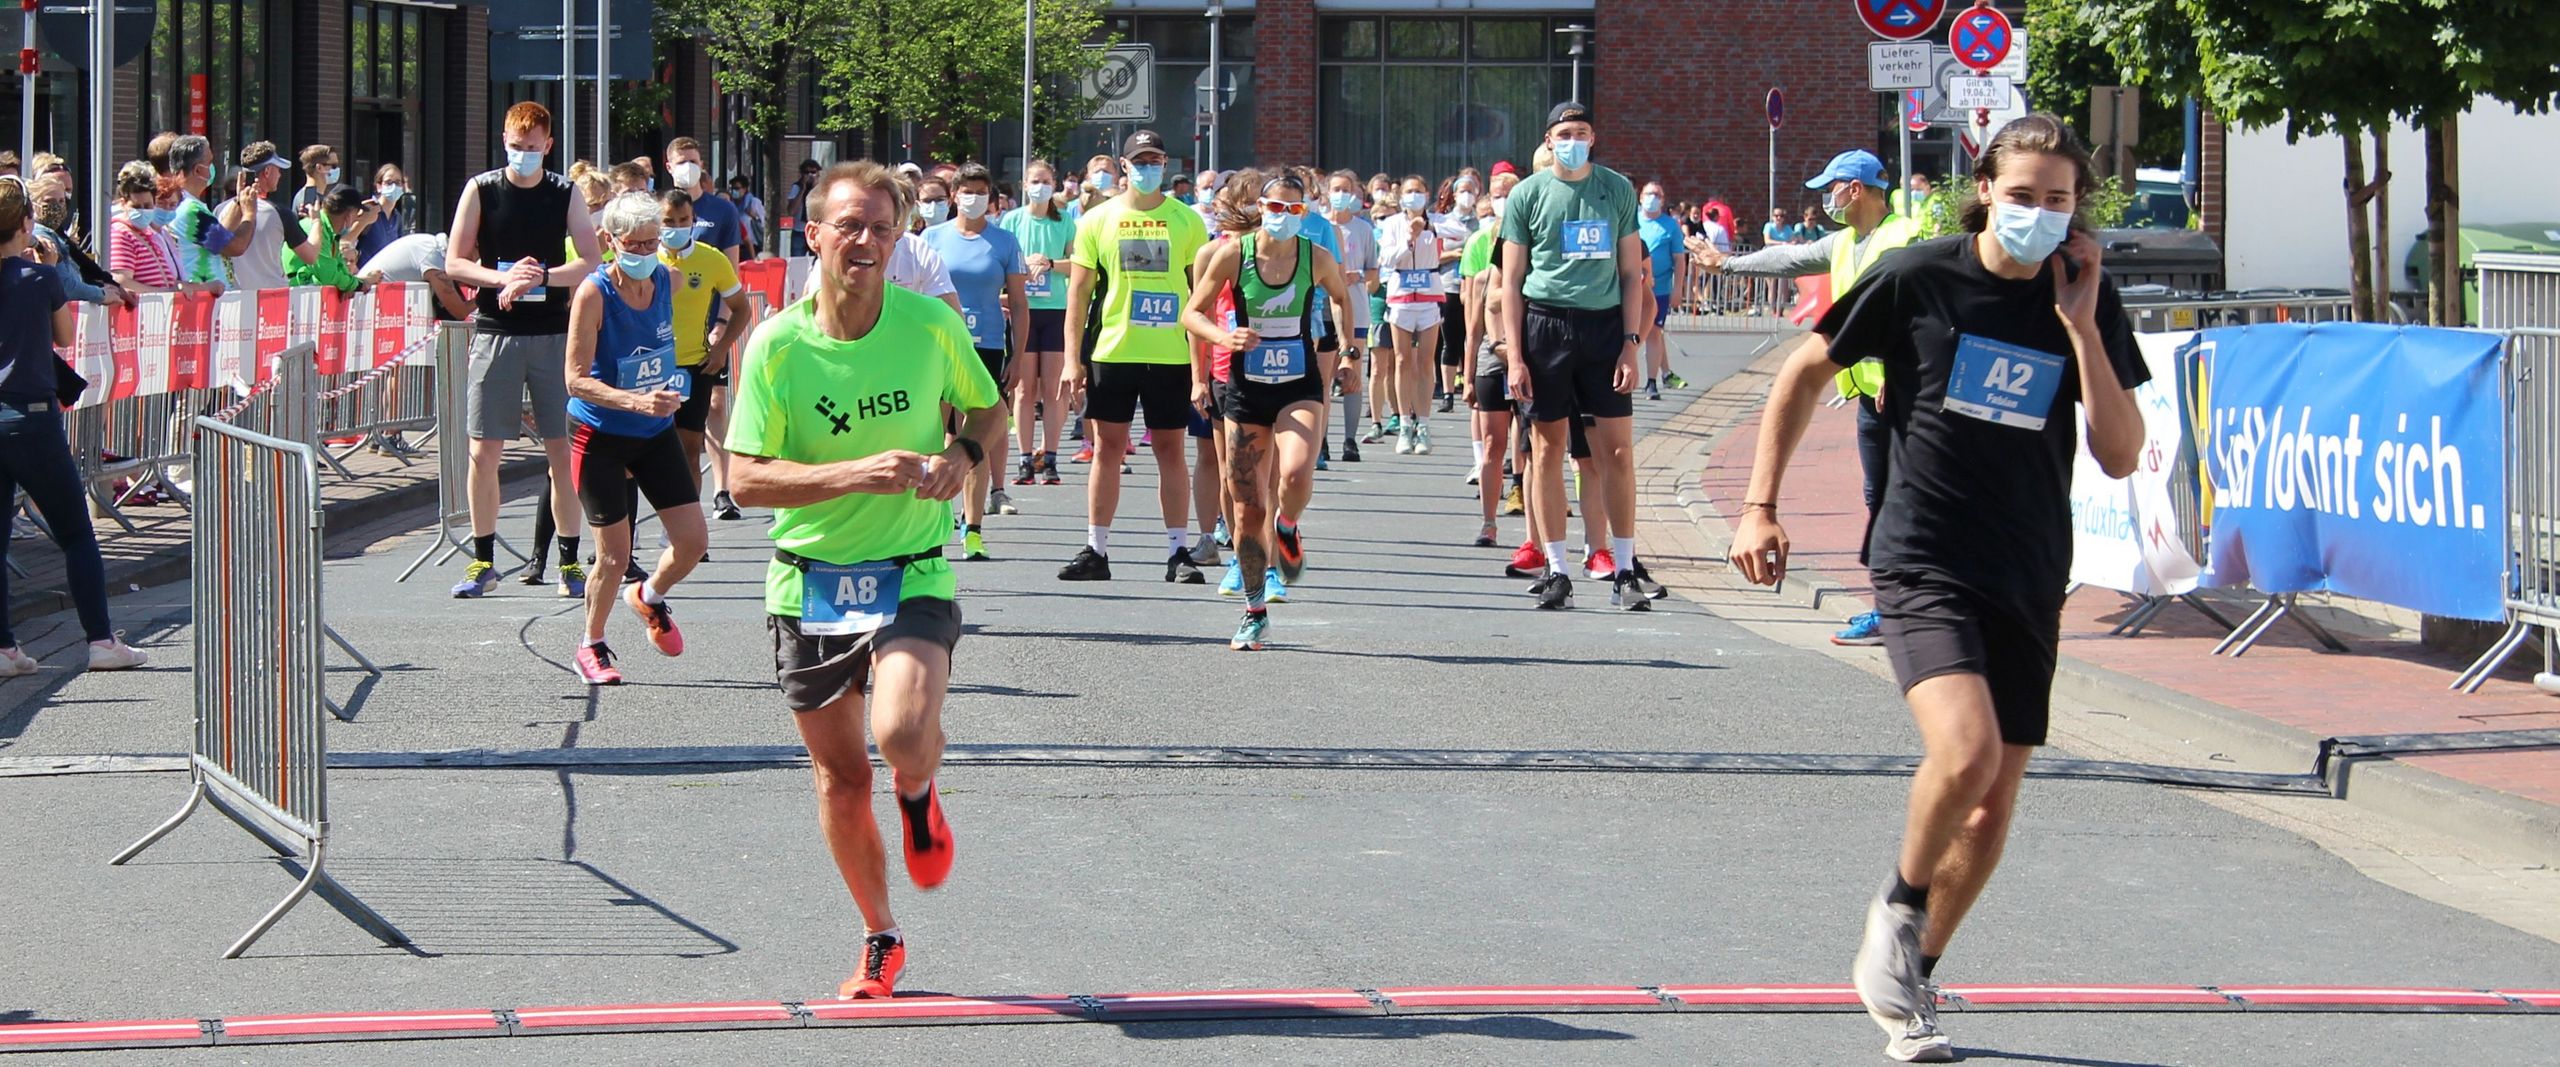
(2485, 817)
(173, 564)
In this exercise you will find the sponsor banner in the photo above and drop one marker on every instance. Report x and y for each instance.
(191, 341)
(170, 342)
(2359, 458)
(330, 355)
(274, 332)
(235, 341)
(2136, 534)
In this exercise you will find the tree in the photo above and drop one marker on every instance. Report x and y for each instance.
(760, 46)
(2065, 59)
(953, 65)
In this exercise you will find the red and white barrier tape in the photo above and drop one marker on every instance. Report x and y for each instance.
(380, 369)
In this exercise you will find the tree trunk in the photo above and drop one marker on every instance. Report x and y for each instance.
(2384, 280)
(2444, 275)
(2359, 228)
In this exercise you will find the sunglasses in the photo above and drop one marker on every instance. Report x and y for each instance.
(1284, 207)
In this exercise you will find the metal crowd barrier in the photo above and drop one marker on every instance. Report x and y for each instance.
(1732, 303)
(449, 389)
(261, 745)
(2238, 309)
(2520, 294)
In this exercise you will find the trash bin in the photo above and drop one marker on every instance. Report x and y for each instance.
(2530, 237)
(2178, 259)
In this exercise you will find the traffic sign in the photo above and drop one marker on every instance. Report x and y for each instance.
(1777, 104)
(1123, 86)
(1893, 66)
(1900, 20)
(1915, 109)
(1977, 92)
(1981, 38)
(1226, 91)
(1977, 134)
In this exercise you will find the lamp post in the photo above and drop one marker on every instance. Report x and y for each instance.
(1217, 78)
(1574, 36)
(1027, 8)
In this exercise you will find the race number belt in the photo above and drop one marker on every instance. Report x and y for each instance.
(842, 599)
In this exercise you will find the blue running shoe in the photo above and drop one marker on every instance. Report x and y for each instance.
(1233, 583)
(1273, 589)
(1249, 633)
(573, 581)
(477, 580)
(1225, 539)
(1866, 629)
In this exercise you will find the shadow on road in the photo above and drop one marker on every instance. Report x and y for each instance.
(1374, 1028)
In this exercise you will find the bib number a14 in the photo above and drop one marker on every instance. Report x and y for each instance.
(1587, 239)
(840, 599)
(1277, 361)
(1153, 309)
(2003, 383)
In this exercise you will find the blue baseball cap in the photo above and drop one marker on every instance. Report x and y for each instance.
(1857, 165)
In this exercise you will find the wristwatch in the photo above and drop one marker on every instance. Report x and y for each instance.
(977, 452)
(1634, 338)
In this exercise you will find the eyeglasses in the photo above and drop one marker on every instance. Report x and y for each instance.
(1284, 207)
(881, 232)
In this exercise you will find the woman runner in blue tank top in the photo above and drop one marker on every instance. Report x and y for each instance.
(624, 389)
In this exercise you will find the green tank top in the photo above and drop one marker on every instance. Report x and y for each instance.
(1277, 311)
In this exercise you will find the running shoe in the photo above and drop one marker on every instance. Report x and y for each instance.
(573, 581)
(1512, 502)
(1600, 565)
(1377, 432)
(1447, 401)
(595, 665)
(1249, 633)
(1645, 584)
(1233, 584)
(1224, 537)
(1865, 630)
(1553, 591)
(1083, 455)
(1474, 476)
(883, 957)
(929, 844)
(1921, 1042)
(1651, 390)
(1125, 468)
(1625, 596)
(532, 575)
(1088, 566)
(1323, 463)
(1206, 552)
(1274, 590)
(1048, 468)
(658, 618)
(1002, 504)
(631, 572)
(1351, 450)
(1404, 441)
(1179, 567)
(477, 580)
(1529, 562)
(1485, 535)
(1395, 425)
(1673, 380)
(1293, 552)
(973, 547)
(113, 654)
(725, 507)
(1030, 471)
(1422, 439)
(1887, 970)
(14, 662)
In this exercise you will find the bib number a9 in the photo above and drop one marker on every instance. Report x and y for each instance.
(1152, 309)
(2003, 383)
(842, 599)
(1586, 239)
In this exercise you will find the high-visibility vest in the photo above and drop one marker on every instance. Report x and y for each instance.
(1849, 260)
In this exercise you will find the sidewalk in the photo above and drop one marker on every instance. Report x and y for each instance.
(2275, 706)
(155, 551)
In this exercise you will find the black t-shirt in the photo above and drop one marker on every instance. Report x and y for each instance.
(30, 293)
(520, 223)
(1982, 499)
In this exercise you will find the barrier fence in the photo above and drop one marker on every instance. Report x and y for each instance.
(2520, 294)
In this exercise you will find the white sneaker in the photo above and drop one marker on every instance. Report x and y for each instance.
(1887, 970)
(1003, 504)
(14, 662)
(115, 655)
(1921, 1042)
(1422, 440)
(1404, 441)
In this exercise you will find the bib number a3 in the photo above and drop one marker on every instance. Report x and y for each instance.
(2003, 383)
(840, 599)
(657, 371)
(1276, 362)
(1153, 309)
(1587, 239)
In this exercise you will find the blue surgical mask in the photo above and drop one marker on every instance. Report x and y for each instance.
(1571, 153)
(677, 239)
(391, 193)
(2029, 234)
(1415, 201)
(1146, 178)
(333, 175)
(1345, 201)
(638, 267)
(525, 164)
(1280, 225)
(1100, 182)
(1653, 203)
(934, 211)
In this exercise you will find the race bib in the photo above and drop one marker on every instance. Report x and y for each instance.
(1587, 239)
(2003, 383)
(1277, 361)
(969, 315)
(1413, 281)
(1153, 309)
(839, 599)
(657, 371)
(1038, 286)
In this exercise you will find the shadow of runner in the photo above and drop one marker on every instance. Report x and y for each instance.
(1373, 1028)
(1993, 1055)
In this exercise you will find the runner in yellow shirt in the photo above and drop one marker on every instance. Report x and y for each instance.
(711, 315)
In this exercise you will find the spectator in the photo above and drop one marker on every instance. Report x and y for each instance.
(1779, 231)
(751, 207)
(627, 177)
(392, 210)
(795, 207)
(319, 175)
(157, 151)
(338, 212)
(418, 259)
(146, 261)
(49, 165)
(8, 163)
(82, 280)
(1809, 225)
(1720, 213)
(201, 240)
(273, 233)
(35, 454)
(713, 214)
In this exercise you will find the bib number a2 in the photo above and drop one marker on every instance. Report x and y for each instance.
(1587, 239)
(2003, 383)
(1276, 362)
(841, 599)
(1153, 309)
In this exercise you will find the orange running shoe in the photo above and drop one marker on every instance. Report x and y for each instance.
(1293, 552)
(928, 837)
(883, 957)
(660, 621)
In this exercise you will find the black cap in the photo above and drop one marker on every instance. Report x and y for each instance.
(1141, 141)
(1569, 111)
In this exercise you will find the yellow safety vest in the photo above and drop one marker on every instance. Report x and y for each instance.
(1866, 377)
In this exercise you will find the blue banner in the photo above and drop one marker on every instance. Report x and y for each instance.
(2360, 458)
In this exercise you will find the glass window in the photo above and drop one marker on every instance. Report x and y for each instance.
(1351, 38)
(360, 51)
(1351, 114)
(1512, 40)
(1432, 95)
(1422, 38)
(1426, 123)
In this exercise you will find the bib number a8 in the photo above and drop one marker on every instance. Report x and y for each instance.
(842, 599)
(1153, 309)
(2002, 383)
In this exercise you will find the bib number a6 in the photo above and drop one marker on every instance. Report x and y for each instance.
(841, 599)
(1277, 361)
(2003, 383)
(1153, 309)
(1587, 239)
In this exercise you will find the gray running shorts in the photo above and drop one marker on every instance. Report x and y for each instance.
(817, 671)
(505, 368)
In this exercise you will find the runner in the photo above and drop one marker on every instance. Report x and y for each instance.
(1574, 283)
(1358, 261)
(839, 428)
(1381, 391)
(1409, 259)
(1473, 258)
(595, 188)
(1972, 549)
(1662, 237)
(1274, 400)
(1489, 390)
(508, 226)
(625, 390)
(986, 264)
(1457, 206)
(1039, 405)
(705, 285)
(721, 225)
(1140, 247)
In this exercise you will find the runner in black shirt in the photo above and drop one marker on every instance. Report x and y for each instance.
(1987, 339)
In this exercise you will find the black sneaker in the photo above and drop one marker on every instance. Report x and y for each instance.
(1644, 583)
(1088, 566)
(1624, 594)
(1553, 591)
(1048, 468)
(1179, 568)
(724, 507)
(532, 576)
(1030, 471)
(1350, 450)
(1447, 402)
(631, 571)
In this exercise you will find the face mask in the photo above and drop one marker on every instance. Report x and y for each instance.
(686, 175)
(1280, 225)
(1499, 203)
(525, 164)
(1039, 191)
(1101, 182)
(638, 267)
(677, 238)
(1652, 204)
(933, 211)
(1572, 154)
(333, 175)
(1837, 205)
(2029, 234)
(1146, 178)
(391, 194)
(1466, 200)
(1415, 201)
(972, 205)
(1345, 201)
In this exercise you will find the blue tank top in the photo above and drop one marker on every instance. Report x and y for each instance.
(635, 349)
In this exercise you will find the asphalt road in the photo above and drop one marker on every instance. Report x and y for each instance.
(671, 883)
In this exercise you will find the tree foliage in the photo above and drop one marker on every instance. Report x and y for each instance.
(2067, 58)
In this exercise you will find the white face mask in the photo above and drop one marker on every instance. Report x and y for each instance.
(933, 211)
(1415, 201)
(1499, 203)
(972, 205)
(687, 174)
(1466, 199)
(391, 193)
(2027, 233)
(1039, 191)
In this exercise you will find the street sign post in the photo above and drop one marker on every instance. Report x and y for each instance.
(1915, 113)
(1977, 92)
(1893, 66)
(1899, 20)
(1777, 107)
(1123, 87)
(1981, 38)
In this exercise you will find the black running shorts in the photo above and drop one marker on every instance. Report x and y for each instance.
(1934, 627)
(1453, 331)
(1491, 392)
(1258, 404)
(1573, 356)
(604, 465)
(1048, 330)
(1116, 391)
(818, 671)
(695, 415)
(995, 359)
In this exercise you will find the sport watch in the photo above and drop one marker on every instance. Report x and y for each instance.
(977, 452)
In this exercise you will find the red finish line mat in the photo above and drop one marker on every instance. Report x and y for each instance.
(1209, 1005)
